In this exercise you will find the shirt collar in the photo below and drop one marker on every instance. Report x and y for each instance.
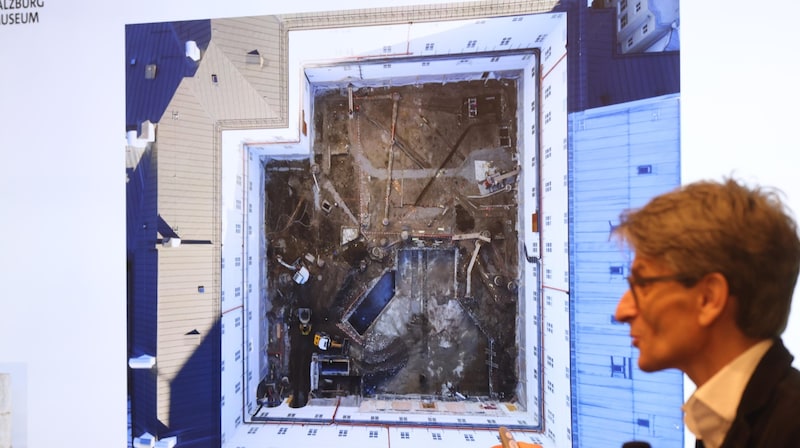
(712, 408)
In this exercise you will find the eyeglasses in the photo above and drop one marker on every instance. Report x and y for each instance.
(634, 282)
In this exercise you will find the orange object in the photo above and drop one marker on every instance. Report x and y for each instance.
(508, 441)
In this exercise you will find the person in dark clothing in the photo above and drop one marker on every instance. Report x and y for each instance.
(710, 289)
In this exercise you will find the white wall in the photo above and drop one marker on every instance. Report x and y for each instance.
(554, 228)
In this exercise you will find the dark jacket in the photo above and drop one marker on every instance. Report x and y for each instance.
(769, 413)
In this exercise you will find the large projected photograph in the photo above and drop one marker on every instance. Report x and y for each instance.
(363, 225)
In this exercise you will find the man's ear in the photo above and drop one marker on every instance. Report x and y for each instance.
(714, 298)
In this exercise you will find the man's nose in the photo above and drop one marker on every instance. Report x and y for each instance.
(626, 308)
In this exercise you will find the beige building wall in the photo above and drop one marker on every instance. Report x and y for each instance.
(5, 410)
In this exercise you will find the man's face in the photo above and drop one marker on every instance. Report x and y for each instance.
(662, 314)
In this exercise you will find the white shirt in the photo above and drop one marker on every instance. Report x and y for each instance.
(710, 411)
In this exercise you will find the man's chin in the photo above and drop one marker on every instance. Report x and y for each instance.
(645, 366)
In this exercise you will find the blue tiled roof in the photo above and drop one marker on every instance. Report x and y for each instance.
(162, 44)
(600, 75)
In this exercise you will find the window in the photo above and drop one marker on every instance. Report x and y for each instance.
(623, 21)
(494, 59)
(547, 91)
(426, 63)
(403, 419)
(373, 434)
(405, 435)
(547, 117)
(644, 29)
(238, 421)
(436, 435)
(238, 355)
(469, 437)
(387, 49)
(312, 432)
(620, 367)
(253, 430)
(548, 152)
(432, 419)
(517, 19)
(471, 44)
(238, 228)
(623, 5)
(374, 417)
(428, 47)
(638, 6)
(282, 430)
(291, 415)
(238, 387)
(387, 65)
(342, 433)
(505, 41)
(317, 415)
(540, 38)
(462, 420)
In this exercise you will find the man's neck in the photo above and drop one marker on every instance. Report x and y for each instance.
(720, 350)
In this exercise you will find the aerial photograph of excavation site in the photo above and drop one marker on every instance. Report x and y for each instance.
(392, 224)
(399, 236)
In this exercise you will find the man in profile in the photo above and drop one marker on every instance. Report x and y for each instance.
(710, 288)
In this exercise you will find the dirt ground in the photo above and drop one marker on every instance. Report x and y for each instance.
(419, 181)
